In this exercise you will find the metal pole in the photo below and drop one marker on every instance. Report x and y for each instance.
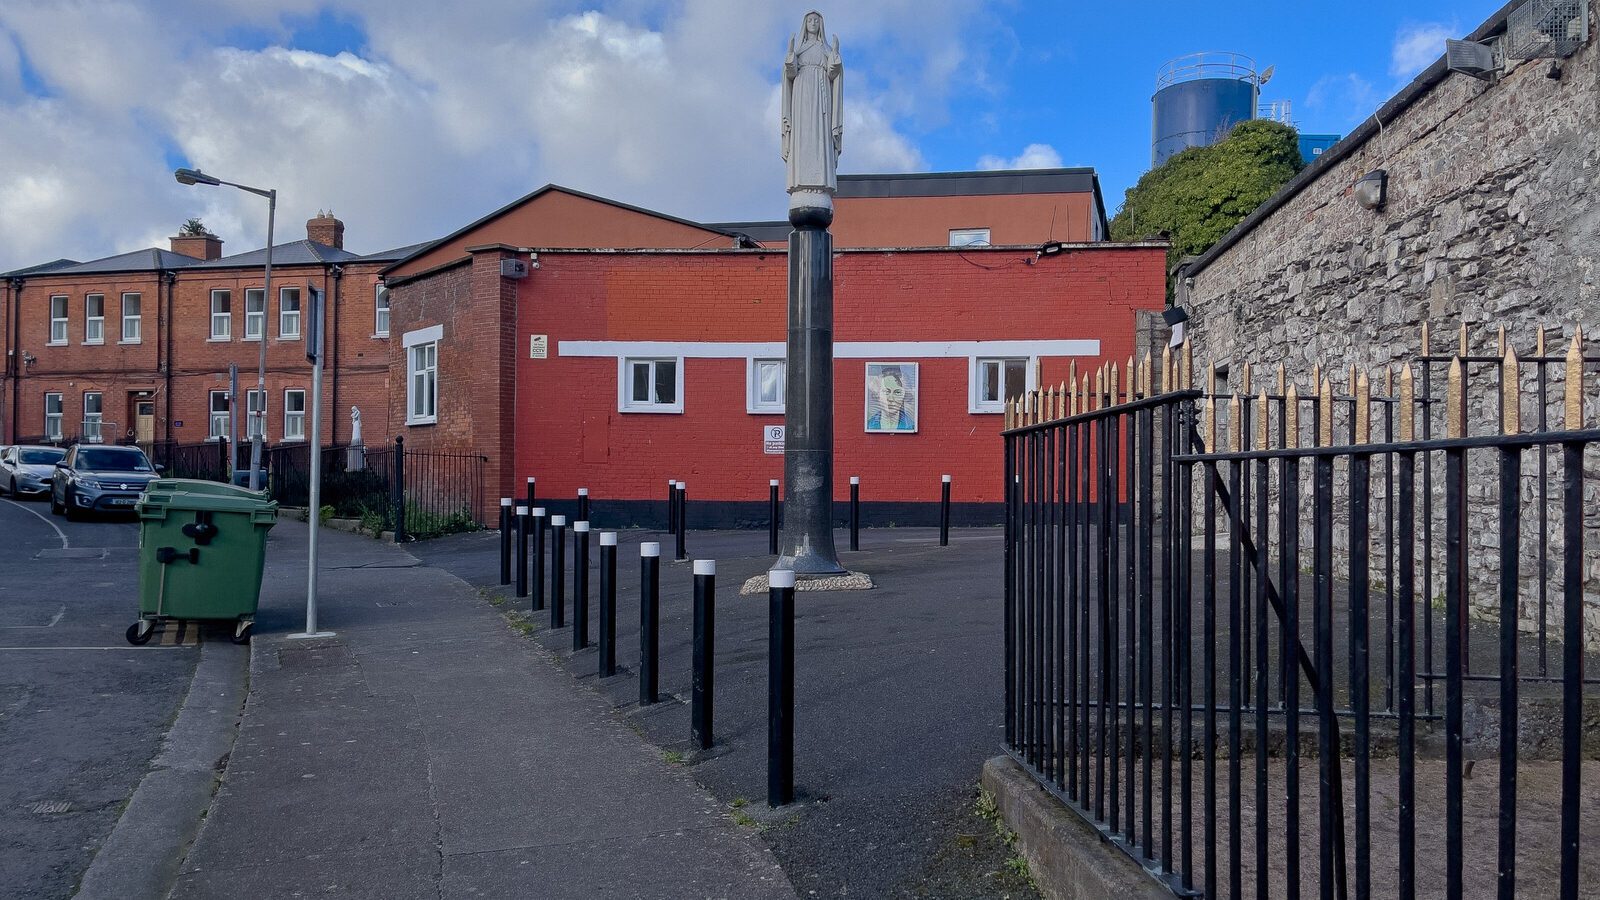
(580, 585)
(315, 518)
(772, 517)
(649, 621)
(944, 512)
(399, 490)
(261, 367)
(683, 519)
(505, 540)
(558, 575)
(522, 550)
(537, 520)
(855, 512)
(705, 638)
(583, 504)
(672, 505)
(233, 424)
(780, 687)
(608, 603)
(530, 492)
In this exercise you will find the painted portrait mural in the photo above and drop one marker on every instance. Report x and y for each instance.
(892, 398)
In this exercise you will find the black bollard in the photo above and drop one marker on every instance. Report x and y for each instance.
(608, 603)
(580, 585)
(705, 642)
(536, 525)
(772, 517)
(558, 574)
(944, 512)
(672, 505)
(530, 492)
(522, 551)
(649, 622)
(683, 519)
(505, 540)
(855, 512)
(583, 504)
(780, 687)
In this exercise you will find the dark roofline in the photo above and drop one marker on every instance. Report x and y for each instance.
(988, 182)
(526, 198)
(156, 263)
(1387, 113)
(40, 269)
(316, 249)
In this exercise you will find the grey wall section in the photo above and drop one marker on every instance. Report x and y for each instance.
(1197, 113)
(1493, 219)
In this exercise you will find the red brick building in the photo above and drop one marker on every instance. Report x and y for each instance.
(137, 346)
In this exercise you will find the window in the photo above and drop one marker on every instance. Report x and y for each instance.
(651, 385)
(380, 324)
(91, 417)
(58, 320)
(255, 313)
(969, 237)
(221, 315)
(94, 319)
(423, 383)
(132, 322)
(218, 429)
(52, 416)
(294, 415)
(766, 386)
(256, 414)
(996, 380)
(289, 312)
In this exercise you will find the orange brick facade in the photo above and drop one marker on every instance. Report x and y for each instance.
(558, 418)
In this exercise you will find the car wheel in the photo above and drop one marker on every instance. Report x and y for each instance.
(69, 508)
(55, 508)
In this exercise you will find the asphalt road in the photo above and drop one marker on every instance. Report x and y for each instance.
(81, 711)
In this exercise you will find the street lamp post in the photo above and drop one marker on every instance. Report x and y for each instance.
(195, 176)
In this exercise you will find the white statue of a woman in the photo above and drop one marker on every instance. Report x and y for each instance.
(813, 120)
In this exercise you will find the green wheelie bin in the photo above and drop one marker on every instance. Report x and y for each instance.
(202, 546)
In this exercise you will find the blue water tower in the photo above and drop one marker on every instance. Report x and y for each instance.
(1199, 98)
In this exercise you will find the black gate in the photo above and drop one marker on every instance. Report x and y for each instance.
(1261, 641)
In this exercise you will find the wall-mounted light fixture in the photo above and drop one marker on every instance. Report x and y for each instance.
(1372, 190)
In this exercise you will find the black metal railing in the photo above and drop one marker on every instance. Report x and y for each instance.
(1197, 579)
(415, 494)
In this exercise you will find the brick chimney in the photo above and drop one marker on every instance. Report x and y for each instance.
(202, 246)
(325, 229)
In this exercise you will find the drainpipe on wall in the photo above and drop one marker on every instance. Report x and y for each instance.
(164, 337)
(337, 273)
(14, 361)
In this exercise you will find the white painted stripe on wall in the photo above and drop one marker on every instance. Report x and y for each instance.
(423, 335)
(841, 349)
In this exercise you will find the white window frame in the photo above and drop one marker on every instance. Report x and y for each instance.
(94, 423)
(626, 404)
(975, 402)
(962, 237)
(294, 420)
(413, 342)
(259, 317)
(135, 334)
(380, 310)
(59, 325)
(224, 318)
(94, 326)
(53, 420)
(286, 316)
(217, 419)
(255, 418)
(753, 404)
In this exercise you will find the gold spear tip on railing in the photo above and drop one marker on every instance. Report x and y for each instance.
(1574, 375)
(1363, 392)
(1510, 393)
(1211, 378)
(1408, 410)
(1425, 342)
(1291, 417)
(1502, 340)
(1463, 351)
(1008, 415)
(1166, 369)
(1233, 426)
(1113, 385)
(1186, 382)
(1325, 413)
(1147, 382)
(1538, 347)
(1208, 418)
(1388, 381)
(1283, 380)
(1455, 403)
(1262, 415)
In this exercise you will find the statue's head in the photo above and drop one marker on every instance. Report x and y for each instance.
(812, 26)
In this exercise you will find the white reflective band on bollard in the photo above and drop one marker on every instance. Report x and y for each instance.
(705, 567)
(538, 511)
(522, 510)
(781, 578)
(650, 548)
(946, 478)
(608, 538)
(558, 521)
(855, 479)
(505, 501)
(580, 526)
(583, 492)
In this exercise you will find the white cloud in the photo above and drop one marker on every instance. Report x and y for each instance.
(1417, 46)
(1033, 156)
(437, 118)
(1346, 98)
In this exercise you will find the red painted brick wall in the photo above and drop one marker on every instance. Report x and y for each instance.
(568, 432)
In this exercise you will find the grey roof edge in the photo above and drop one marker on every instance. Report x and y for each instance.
(40, 269)
(393, 253)
(321, 255)
(533, 195)
(1061, 180)
(148, 259)
(1388, 112)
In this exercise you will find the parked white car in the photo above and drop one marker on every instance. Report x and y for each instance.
(26, 470)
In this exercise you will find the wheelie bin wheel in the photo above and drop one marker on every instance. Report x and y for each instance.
(137, 637)
(241, 635)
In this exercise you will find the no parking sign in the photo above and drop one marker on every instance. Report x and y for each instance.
(772, 439)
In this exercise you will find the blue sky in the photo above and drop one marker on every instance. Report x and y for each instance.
(408, 121)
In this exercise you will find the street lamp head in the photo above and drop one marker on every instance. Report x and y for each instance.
(194, 176)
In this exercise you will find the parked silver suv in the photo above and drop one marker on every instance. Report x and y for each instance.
(27, 469)
(99, 478)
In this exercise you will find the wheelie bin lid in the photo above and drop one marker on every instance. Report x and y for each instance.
(194, 495)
